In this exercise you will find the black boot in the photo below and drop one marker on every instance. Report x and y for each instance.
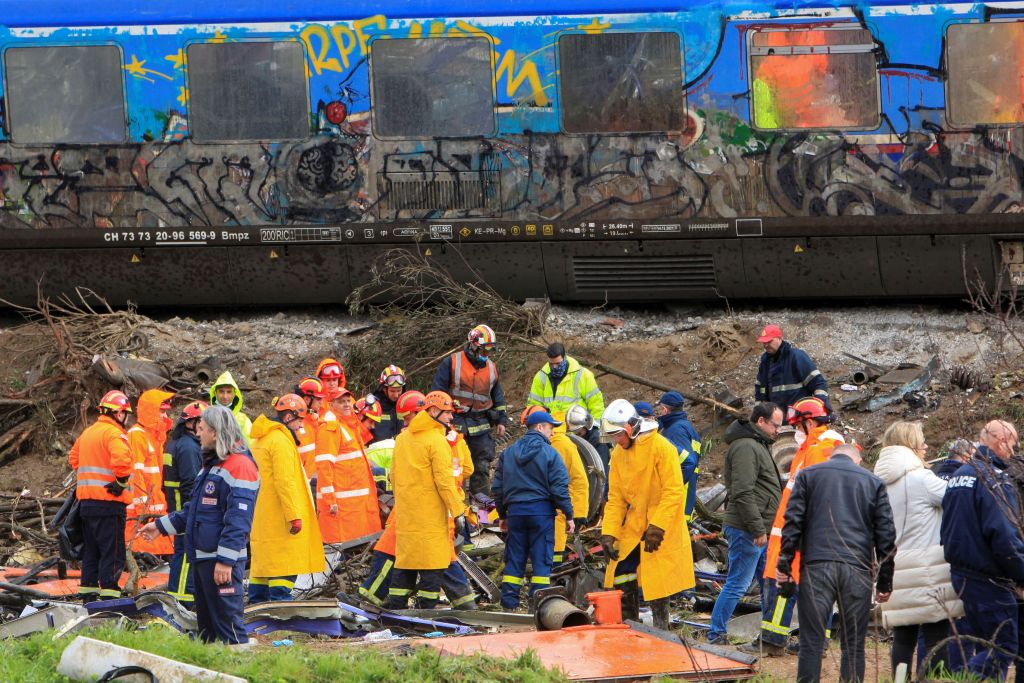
(630, 601)
(662, 619)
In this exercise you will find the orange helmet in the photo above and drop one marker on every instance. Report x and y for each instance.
(115, 401)
(370, 407)
(807, 408)
(291, 402)
(410, 402)
(439, 400)
(310, 386)
(392, 376)
(482, 335)
(530, 410)
(329, 369)
(193, 410)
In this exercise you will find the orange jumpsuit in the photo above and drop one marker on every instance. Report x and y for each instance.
(146, 440)
(344, 479)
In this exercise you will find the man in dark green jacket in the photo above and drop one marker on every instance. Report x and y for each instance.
(754, 491)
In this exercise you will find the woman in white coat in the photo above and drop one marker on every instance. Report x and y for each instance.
(923, 597)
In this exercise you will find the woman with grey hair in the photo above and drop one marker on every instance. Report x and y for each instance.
(216, 524)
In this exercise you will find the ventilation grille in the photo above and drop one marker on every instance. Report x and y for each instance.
(440, 191)
(596, 274)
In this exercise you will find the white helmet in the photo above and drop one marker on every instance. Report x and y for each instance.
(577, 417)
(620, 416)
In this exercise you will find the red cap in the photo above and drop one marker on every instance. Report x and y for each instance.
(770, 332)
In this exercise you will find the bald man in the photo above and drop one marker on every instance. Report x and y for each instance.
(981, 537)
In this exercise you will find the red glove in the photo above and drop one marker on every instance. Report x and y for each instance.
(296, 526)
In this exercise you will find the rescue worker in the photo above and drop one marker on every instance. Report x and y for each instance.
(644, 410)
(146, 439)
(644, 535)
(331, 373)
(816, 439)
(579, 484)
(369, 412)
(530, 483)
(225, 392)
(787, 374)
(346, 494)
(216, 524)
(103, 467)
(425, 497)
(471, 377)
(390, 387)
(462, 470)
(285, 535)
(311, 390)
(381, 453)
(182, 461)
(675, 426)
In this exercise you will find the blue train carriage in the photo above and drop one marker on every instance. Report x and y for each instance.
(587, 151)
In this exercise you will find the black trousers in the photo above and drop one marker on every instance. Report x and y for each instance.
(425, 583)
(102, 549)
(823, 584)
(481, 449)
(904, 642)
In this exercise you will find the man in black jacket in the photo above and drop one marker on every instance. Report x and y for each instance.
(840, 521)
(754, 491)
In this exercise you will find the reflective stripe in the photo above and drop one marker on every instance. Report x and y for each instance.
(478, 429)
(429, 595)
(139, 466)
(168, 484)
(182, 592)
(514, 580)
(775, 625)
(539, 399)
(151, 470)
(323, 457)
(809, 377)
(351, 455)
(772, 628)
(776, 531)
(91, 482)
(110, 593)
(233, 482)
(282, 583)
(370, 597)
(221, 552)
(467, 392)
(204, 555)
(557, 557)
(400, 592)
(695, 445)
(168, 459)
(96, 470)
(354, 493)
(624, 578)
(165, 524)
(326, 490)
(258, 581)
(786, 387)
(383, 574)
(307, 448)
(82, 590)
(469, 597)
(540, 580)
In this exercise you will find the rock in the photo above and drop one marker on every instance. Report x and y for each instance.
(975, 326)
(613, 322)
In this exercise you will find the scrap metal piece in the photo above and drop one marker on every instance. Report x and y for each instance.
(596, 475)
(712, 497)
(154, 603)
(398, 619)
(50, 617)
(316, 617)
(908, 379)
(479, 576)
(552, 610)
(473, 617)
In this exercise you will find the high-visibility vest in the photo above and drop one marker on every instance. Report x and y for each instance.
(471, 385)
(99, 456)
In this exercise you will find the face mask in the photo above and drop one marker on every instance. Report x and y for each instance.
(800, 438)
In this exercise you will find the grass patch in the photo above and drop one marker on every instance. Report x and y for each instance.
(35, 659)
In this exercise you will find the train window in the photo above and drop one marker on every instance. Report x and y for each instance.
(63, 94)
(432, 87)
(814, 78)
(984, 73)
(621, 83)
(247, 91)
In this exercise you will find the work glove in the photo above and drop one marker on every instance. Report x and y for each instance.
(653, 538)
(117, 487)
(460, 525)
(608, 543)
(296, 526)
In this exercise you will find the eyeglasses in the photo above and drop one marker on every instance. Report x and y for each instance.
(394, 381)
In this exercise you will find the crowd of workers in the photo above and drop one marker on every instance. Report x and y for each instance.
(214, 486)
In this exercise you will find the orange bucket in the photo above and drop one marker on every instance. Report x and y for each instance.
(607, 606)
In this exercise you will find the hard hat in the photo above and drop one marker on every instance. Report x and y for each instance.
(392, 376)
(291, 402)
(768, 333)
(439, 400)
(370, 407)
(329, 369)
(410, 402)
(115, 401)
(620, 416)
(807, 408)
(193, 410)
(482, 335)
(310, 386)
(577, 417)
(530, 410)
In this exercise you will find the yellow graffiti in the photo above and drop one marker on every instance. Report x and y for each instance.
(219, 37)
(138, 70)
(179, 60)
(182, 95)
(527, 73)
(594, 27)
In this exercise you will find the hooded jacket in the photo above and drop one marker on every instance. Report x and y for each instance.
(677, 428)
(147, 439)
(752, 479)
(577, 385)
(922, 590)
(236, 405)
(531, 479)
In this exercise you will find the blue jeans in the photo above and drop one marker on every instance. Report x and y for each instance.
(745, 559)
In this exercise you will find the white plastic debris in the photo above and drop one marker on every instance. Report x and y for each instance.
(86, 659)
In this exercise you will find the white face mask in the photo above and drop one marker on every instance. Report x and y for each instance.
(800, 437)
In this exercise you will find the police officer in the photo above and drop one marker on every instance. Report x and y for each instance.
(675, 426)
(182, 462)
(102, 461)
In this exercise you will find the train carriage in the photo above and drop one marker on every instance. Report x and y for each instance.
(266, 152)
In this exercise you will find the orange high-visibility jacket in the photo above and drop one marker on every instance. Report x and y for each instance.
(307, 444)
(100, 455)
(472, 385)
(344, 478)
(147, 439)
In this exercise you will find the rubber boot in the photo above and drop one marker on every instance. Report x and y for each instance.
(630, 600)
(662, 619)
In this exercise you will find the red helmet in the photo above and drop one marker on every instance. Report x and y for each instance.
(310, 386)
(530, 410)
(410, 402)
(370, 407)
(439, 400)
(807, 408)
(115, 401)
(193, 410)
(392, 376)
(291, 402)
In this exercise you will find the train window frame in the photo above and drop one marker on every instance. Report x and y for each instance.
(8, 121)
(190, 119)
(637, 130)
(374, 98)
(859, 48)
(948, 87)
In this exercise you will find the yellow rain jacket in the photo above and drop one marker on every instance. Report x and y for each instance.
(236, 406)
(284, 495)
(425, 495)
(579, 485)
(646, 487)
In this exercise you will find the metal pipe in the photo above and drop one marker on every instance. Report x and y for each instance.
(555, 613)
(865, 375)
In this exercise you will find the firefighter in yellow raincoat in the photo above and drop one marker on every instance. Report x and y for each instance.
(644, 533)
(285, 536)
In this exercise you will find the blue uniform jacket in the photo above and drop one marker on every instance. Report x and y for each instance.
(182, 462)
(218, 518)
(789, 376)
(980, 531)
(390, 424)
(677, 428)
(944, 469)
(531, 479)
